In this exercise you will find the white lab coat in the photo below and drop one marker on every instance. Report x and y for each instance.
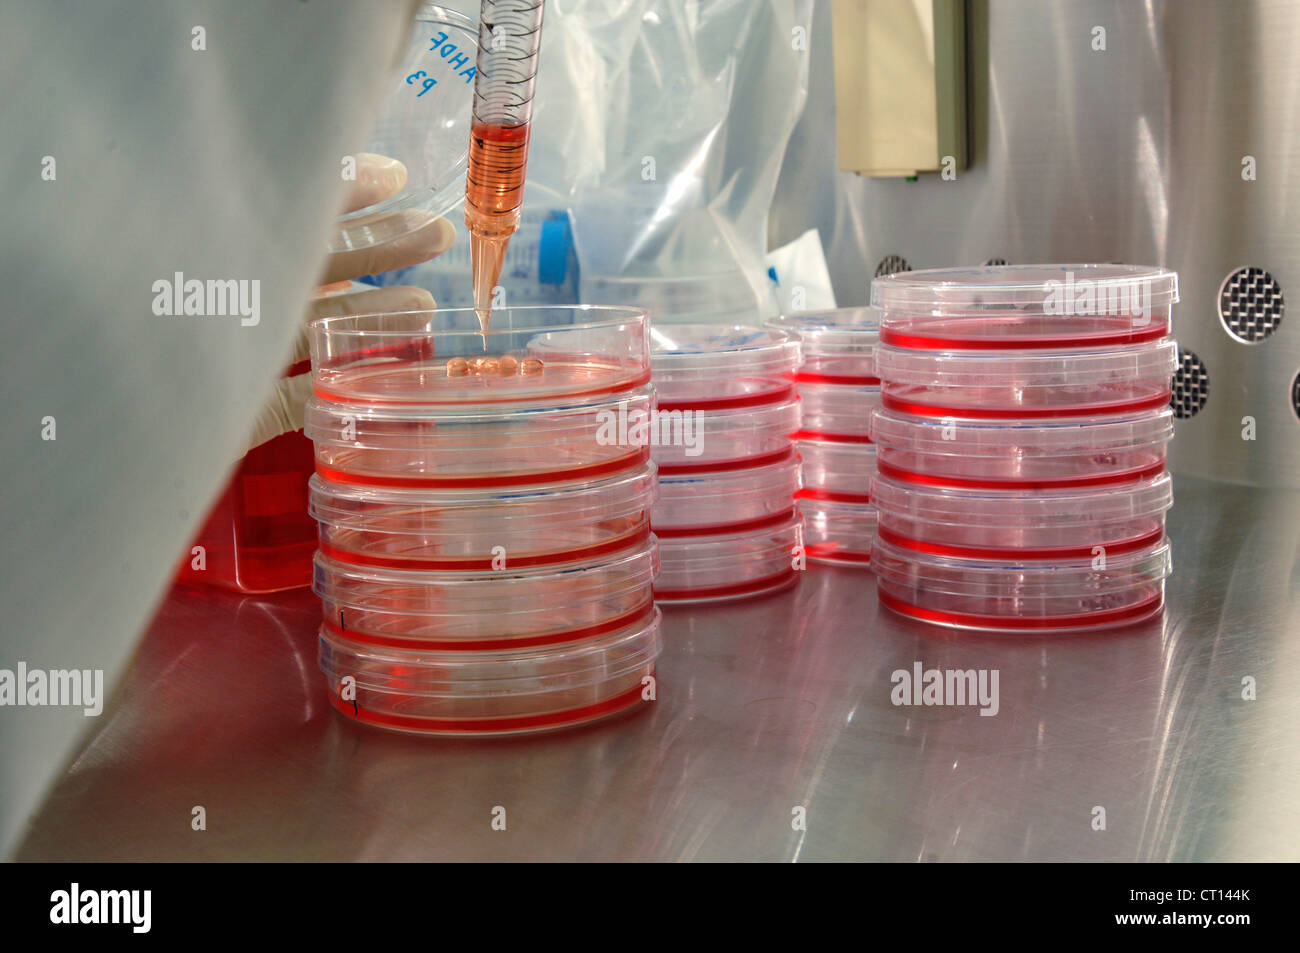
(220, 163)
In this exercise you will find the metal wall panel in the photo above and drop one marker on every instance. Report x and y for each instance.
(1129, 154)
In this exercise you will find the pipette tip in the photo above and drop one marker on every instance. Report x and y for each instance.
(488, 253)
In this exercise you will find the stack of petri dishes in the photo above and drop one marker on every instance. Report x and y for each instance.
(838, 390)
(485, 558)
(1021, 445)
(728, 473)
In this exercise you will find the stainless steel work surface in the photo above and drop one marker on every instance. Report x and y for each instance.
(764, 707)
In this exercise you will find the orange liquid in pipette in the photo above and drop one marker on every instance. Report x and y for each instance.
(498, 159)
(494, 194)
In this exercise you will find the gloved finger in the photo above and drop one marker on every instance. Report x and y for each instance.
(283, 412)
(426, 237)
(378, 177)
(371, 301)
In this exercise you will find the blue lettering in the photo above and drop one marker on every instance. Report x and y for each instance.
(428, 84)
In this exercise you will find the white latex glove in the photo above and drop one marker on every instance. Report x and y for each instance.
(377, 178)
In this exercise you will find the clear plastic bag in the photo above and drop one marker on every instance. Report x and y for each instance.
(660, 127)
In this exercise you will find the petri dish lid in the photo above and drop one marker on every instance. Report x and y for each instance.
(348, 505)
(1012, 287)
(409, 592)
(1025, 306)
(683, 352)
(779, 478)
(838, 509)
(1075, 368)
(733, 546)
(580, 352)
(1010, 508)
(411, 428)
(424, 123)
(518, 672)
(837, 331)
(967, 576)
(958, 437)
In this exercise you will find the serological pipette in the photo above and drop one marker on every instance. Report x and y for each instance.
(510, 36)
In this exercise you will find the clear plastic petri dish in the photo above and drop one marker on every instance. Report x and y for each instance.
(838, 345)
(473, 447)
(1035, 455)
(1011, 595)
(1080, 523)
(714, 367)
(837, 412)
(726, 500)
(496, 610)
(1026, 385)
(480, 530)
(713, 567)
(424, 123)
(529, 356)
(689, 441)
(836, 472)
(492, 693)
(837, 532)
(1017, 307)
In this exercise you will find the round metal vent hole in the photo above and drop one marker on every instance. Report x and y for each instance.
(1295, 394)
(995, 262)
(1250, 304)
(1191, 386)
(892, 265)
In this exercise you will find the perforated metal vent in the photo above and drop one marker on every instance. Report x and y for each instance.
(995, 262)
(892, 265)
(1191, 385)
(1250, 304)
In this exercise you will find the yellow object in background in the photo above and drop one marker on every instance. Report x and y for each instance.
(900, 85)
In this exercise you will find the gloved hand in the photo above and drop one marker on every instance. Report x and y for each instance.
(378, 177)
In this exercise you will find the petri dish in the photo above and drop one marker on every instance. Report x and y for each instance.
(732, 437)
(714, 567)
(839, 412)
(484, 694)
(480, 530)
(1077, 523)
(714, 501)
(836, 472)
(838, 345)
(1027, 455)
(476, 446)
(1016, 307)
(424, 122)
(710, 366)
(492, 610)
(1017, 595)
(837, 532)
(1018, 385)
(442, 358)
